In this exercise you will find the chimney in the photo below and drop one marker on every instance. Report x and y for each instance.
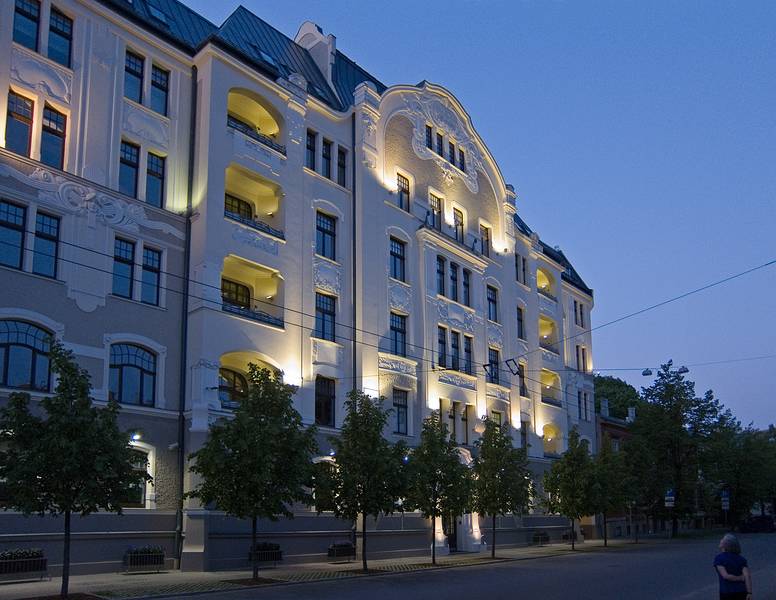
(322, 48)
(604, 407)
(631, 414)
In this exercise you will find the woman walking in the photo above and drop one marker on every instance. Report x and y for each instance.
(735, 580)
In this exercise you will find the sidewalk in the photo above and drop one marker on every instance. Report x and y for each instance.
(121, 586)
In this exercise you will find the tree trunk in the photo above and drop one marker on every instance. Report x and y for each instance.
(66, 557)
(254, 554)
(573, 536)
(674, 524)
(363, 541)
(433, 539)
(493, 545)
(606, 537)
(637, 527)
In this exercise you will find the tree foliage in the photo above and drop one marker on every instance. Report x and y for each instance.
(608, 486)
(438, 483)
(74, 459)
(258, 464)
(621, 395)
(502, 482)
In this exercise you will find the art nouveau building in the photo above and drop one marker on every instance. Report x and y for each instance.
(342, 232)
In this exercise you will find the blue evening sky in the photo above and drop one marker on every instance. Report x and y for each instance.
(641, 139)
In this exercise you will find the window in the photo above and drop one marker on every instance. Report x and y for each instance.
(60, 37)
(123, 267)
(402, 192)
(465, 424)
(342, 166)
(436, 212)
(18, 126)
(400, 406)
(521, 380)
(520, 323)
(461, 160)
(128, 167)
(496, 417)
(455, 350)
(468, 355)
(24, 360)
(458, 225)
(232, 388)
(25, 23)
(326, 159)
(155, 180)
(160, 85)
(520, 264)
(576, 312)
(133, 77)
(440, 275)
(324, 401)
(134, 496)
(325, 235)
(494, 363)
(398, 334)
(581, 315)
(429, 137)
(579, 358)
(492, 294)
(12, 224)
(451, 415)
(235, 293)
(132, 375)
(579, 405)
(587, 406)
(524, 434)
(584, 359)
(451, 155)
(440, 144)
(467, 297)
(442, 347)
(52, 141)
(237, 207)
(310, 149)
(324, 316)
(398, 249)
(44, 259)
(485, 240)
(149, 288)
(454, 281)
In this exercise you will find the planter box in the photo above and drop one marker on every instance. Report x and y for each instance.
(541, 538)
(273, 556)
(342, 551)
(23, 568)
(152, 561)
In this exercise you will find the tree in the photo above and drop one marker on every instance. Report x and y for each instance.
(569, 482)
(502, 482)
(608, 491)
(75, 460)
(369, 477)
(438, 483)
(259, 463)
(621, 395)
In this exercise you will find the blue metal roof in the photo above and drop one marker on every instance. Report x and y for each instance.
(347, 75)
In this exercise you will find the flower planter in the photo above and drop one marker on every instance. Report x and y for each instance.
(342, 550)
(265, 552)
(23, 564)
(144, 559)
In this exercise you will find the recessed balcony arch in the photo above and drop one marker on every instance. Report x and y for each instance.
(545, 284)
(552, 392)
(233, 376)
(548, 334)
(252, 115)
(253, 201)
(252, 291)
(551, 440)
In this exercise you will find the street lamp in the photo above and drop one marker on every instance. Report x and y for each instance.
(681, 371)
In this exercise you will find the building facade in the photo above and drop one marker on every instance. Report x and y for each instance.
(181, 199)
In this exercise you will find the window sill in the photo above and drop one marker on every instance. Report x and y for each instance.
(138, 302)
(525, 286)
(456, 302)
(325, 179)
(43, 57)
(394, 206)
(34, 275)
(147, 109)
(325, 341)
(399, 281)
(327, 259)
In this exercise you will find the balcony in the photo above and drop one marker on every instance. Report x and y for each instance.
(547, 294)
(549, 346)
(548, 334)
(545, 284)
(253, 201)
(252, 291)
(252, 133)
(252, 313)
(552, 401)
(255, 224)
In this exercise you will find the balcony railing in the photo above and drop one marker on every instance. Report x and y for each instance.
(549, 346)
(253, 134)
(252, 313)
(552, 401)
(547, 294)
(255, 224)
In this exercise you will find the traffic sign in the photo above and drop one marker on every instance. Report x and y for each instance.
(670, 498)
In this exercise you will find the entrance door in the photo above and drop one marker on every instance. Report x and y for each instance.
(450, 529)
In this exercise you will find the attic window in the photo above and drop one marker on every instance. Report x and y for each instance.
(156, 12)
(264, 56)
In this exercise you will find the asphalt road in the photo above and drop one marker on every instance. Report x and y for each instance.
(678, 570)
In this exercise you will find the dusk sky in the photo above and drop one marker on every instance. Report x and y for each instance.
(640, 138)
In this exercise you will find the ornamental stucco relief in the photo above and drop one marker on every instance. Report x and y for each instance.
(390, 380)
(255, 239)
(498, 393)
(495, 335)
(144, 125)
(423, 107)
(31, 71)
(396, 365)
(327, 276)
(399, 296)
(256, 152)
(80, 199)
(458, 380)
(327, 353)
(455, 316)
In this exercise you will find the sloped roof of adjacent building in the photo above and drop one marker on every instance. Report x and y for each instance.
(347, 75)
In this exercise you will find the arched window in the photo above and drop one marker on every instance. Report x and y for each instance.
(232, 388)
(24, 356)
(132, 375)
(135, 495)
(237, 207)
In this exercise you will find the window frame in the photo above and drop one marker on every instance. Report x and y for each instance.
(455, 350)
(429, 137)
(143, 374)
(36, 353)
(436, 203)
(240, 204)
(14, 226)
(235, 293)
(468, 354)
(22, 10)
(485, 242)
(118, 258)
(152, 174)
(398, 333)
(491, 295)
(342, 166)
(327, 396)
(155, 270)
(230, 388)
(130, 70)
(311, 141)
(454, 267)
(160, 80)
(466, 287)
(401, 406)
(441, 274)
(123, 160)
(398, 258)
(48, 237)
(325, 235)
(459, 225)
(441, 347)
(325, 317)
(326, 156)
(12, 113)
(494, 362)
(54, 132)
(403, 192)
(61, 33)
(520, 323)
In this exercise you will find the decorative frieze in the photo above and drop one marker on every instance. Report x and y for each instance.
(458, 380)
(144, 124)
(498, 392)
(495, 335)
(399, 296)
(30, 70)
(256, 239)
(327, 353)
(327, 276)
(396, 364)
(454, 315)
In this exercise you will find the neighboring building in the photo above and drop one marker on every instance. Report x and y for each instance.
(345, 233)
